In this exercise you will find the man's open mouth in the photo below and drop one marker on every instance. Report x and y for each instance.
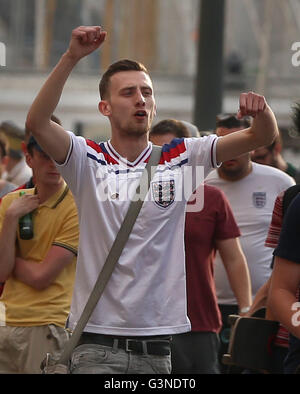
(140, 114)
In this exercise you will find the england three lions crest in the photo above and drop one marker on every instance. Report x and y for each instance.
(164, 192)
(259, 199)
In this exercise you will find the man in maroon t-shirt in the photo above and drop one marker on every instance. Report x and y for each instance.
(213, 228)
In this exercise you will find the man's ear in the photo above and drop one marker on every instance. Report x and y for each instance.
(104, 107)
(28, 159)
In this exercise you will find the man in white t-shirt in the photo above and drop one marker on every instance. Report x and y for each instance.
(251, 189)
(144, 302)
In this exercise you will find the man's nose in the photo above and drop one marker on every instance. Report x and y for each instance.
(140, 99)
(52, 163)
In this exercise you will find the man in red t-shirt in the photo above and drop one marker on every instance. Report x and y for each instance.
(213, 228)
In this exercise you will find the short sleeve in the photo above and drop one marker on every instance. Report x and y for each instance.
(68, 236)
(202, 152)
(72, 170)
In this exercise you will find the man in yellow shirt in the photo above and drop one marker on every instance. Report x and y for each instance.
(39, 272)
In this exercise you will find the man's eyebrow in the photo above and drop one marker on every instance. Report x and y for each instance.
(133, 87)
(147, 87)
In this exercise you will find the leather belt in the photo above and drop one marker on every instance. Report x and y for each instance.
(155, 345)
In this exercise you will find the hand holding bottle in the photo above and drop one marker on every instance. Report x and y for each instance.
(24, 204)
(21, 209)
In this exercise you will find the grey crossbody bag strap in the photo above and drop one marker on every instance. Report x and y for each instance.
(115, 252)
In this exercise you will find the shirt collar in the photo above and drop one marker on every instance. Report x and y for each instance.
(140, 159)
(56, 198)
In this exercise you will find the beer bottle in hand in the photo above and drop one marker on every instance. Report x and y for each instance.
(26, 225)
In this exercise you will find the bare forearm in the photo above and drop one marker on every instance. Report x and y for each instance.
(8, 246)
(46, 101)
(286, 309)
(54, 140)
(33, 273)
(40, 274)
(84, 40)
(261, 133)
(239, 279)
(261, 297)
(17, 209)
(237, 270)
(264, 128)
(282, 295)
(29, 272)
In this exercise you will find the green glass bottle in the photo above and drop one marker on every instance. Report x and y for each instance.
(26, 225)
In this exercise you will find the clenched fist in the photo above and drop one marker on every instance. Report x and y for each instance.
(85, 40)
(251, 104)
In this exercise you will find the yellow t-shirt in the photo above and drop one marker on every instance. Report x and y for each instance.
(55, 223)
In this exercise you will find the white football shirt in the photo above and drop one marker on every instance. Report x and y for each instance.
(252, 201)
(146, 294)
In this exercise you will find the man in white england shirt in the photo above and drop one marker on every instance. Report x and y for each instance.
(144, 302)
(251, 189)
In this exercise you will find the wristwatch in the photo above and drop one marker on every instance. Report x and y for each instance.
(245, 309)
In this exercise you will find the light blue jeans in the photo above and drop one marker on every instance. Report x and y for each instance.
(99, 359)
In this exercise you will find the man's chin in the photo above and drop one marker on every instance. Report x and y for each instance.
(231, 172)
(229, 168)
(138, 131)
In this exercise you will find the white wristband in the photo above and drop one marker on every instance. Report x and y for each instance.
(245, 309)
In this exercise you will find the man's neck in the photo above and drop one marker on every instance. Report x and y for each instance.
(46, 191)
(235, 176)
(130, 147)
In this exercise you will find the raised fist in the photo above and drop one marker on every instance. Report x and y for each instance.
(85, 40)
(251, 104)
